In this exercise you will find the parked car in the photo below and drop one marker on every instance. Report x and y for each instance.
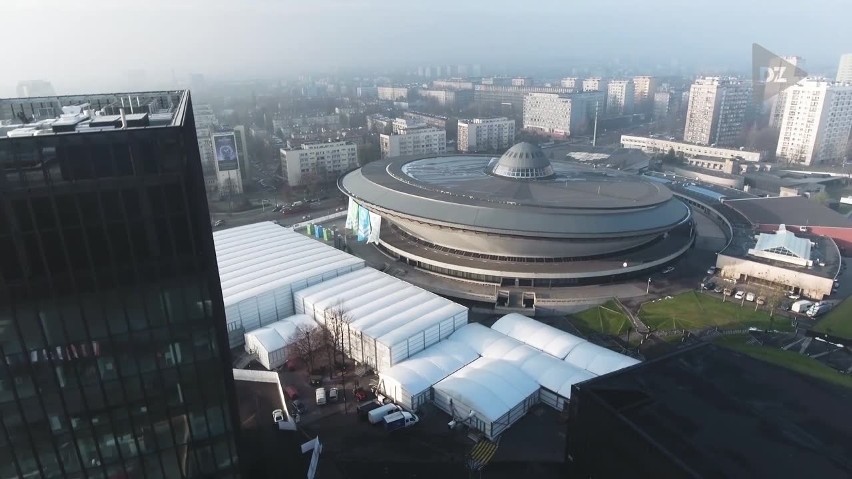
(761, 300)
(277, 416)
(321, 399)
(332, 395)
(711, 285)
(728, 291)
(739, 294)
(718, 289)
(668, 270)
(711, 270)
(360, 394)
(316, 381)
(300, 406)
(750, 296)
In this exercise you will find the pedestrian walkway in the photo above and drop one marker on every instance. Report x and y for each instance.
(481, 454)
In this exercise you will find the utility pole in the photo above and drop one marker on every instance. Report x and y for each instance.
(595, 133)
(648, 289)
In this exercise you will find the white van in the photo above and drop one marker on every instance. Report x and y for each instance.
(321, 396)
(376, 415)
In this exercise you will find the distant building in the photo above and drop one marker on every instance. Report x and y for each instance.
(620, 97)
(497, 95)
(844, 68)
(569, 82)
(816, 122)
(447, 97)
(392, 93)
(560, 115)
(452, 84)
(322, 161)
(378, 122)
(659, 145)
(717, 111)
(644, 88)
(595, 84)
(432, 120)
(422, 140)
(778, 102)
(34, 88)
(485, 134)
(663, 104)
(522, 81)
(367, 92)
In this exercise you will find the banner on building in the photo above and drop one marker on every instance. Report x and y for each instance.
(225, 149)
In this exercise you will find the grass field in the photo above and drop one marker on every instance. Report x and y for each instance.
(693, 310)
(787, 359)
(607, 318)
(838, 322)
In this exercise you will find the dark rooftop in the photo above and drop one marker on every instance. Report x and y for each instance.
(264, 450)
(790, 210)
(37, 116)
(725, 414)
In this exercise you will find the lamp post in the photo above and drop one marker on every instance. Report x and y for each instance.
(648, 289)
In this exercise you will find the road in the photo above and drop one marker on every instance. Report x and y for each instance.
(241, 218)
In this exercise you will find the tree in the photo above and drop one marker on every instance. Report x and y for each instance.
(307, 341)
(821, 197)
(337, 333)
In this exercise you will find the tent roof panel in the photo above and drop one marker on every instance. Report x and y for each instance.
(261, 257)
(551, 340)
(492, 387)
(426, 368)
(598, 360)
(277, 335)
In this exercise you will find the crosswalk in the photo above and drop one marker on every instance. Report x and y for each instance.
(481, 454)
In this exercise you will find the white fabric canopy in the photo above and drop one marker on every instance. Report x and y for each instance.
(598, 360)
(426, 368)
(261, 257)
(552, 341)
(491, 387)
(279, 334)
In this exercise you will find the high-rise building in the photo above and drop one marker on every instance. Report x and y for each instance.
(777, 103)
(485, 134)
(620, 97)
(717, 111)
(663, 103)
(413, 141)
(242, 151)
(644, 89)
(227, 164)
(115, 359)
(33, 88)
(816, 123)
(321, 161)
(561, 115)
(844, 68)
(597, 84)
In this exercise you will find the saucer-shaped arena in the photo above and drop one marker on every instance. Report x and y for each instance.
(521, 219)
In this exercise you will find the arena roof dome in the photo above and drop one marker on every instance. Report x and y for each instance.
(523, 160)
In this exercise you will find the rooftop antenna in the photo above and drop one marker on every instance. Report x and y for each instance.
(595, 133)
(130, 100)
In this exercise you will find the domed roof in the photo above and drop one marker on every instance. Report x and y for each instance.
(524, 160)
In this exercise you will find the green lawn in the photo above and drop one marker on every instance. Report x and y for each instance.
(788, 359)
(693, 310)
(607, 318)
(838, 322)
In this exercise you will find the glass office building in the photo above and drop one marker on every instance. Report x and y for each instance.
(115, 361)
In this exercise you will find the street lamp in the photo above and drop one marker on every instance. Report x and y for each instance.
(648, 290)
(263, 203)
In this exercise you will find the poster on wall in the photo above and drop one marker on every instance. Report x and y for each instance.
(225, 148)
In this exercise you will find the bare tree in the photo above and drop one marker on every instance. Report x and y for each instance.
(337, 321)
(307, 341)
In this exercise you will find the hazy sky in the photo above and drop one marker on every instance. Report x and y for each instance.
(78, 43)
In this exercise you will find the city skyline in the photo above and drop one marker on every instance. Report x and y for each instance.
(274, 39)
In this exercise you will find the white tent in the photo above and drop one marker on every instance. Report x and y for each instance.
(488, 394)
(553, 375)
(389, 320)
(598, 360)
(546, 338)
(409, 383)
(273, 343)
(262, 265)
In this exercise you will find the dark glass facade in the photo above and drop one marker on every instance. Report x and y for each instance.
(113, 354)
